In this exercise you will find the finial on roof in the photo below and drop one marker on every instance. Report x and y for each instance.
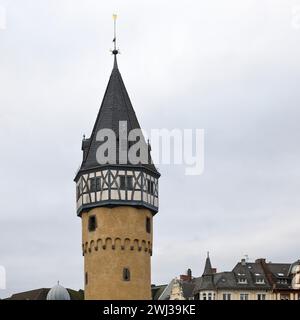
(115, 50)
(207, 254)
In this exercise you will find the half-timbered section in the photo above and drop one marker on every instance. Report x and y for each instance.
(113, 187)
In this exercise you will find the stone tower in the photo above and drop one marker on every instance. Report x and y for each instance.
(116, 201)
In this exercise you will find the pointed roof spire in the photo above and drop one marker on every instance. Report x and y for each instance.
(115, 62)
(115, 51)
(207, 269)
(116, 106)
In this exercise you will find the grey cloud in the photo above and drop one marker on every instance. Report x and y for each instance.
(230, 69)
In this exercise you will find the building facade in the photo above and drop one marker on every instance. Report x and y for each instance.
(259, 280)
(116, 200)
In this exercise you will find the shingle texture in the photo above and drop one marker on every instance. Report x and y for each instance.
(115, 107)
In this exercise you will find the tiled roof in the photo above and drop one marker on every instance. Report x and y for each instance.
(115, 107)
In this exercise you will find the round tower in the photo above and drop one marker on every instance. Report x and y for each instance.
(116, 201)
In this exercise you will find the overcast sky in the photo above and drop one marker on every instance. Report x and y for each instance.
(228, 67)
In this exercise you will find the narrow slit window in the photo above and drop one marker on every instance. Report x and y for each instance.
(150, 186)
(148, 225)
(122, 183)
(98, 184)
(86, 278)
(129, 183)
(126, 274)
(92, 223)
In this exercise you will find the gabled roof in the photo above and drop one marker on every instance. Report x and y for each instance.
(251, 272)
(279, 269)
(115, 107)
(165, 295)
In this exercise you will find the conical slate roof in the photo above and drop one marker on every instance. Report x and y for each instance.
(115, 107)
(207, 269)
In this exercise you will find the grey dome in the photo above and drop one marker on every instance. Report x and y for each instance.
(58, 292)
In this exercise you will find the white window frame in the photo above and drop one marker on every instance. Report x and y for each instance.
(264, 295)
(242, 281)
(226, 295)
(244, 295)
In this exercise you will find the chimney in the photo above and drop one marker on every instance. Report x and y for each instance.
(243, 262)
(260, 260)
(187, 277)
(189, 274)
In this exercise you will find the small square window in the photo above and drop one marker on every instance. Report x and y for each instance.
(126, 182)
(92, 223)
(126, 274)
(95, 184)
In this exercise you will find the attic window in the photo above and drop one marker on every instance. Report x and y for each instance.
(280, 274)
(242, 280)
(282, 281)
(260, 281)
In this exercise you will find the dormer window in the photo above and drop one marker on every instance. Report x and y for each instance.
(260, 281)
(282, 281)
(242, 281)
(280, 274)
